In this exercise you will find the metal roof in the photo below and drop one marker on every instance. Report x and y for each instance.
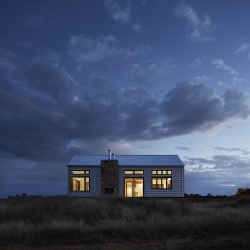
(129, 160)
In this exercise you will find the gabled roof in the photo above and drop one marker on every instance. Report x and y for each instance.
(128, 160)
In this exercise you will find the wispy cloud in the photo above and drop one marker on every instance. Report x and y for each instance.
(121, 13)
(243, 151)
(86, 50)
(198, 61)
(151, 68)
(242, 47)
(200, 30)
(220, 64)
(137, 27)
(183, 148)
(201, 78)
(238, 80)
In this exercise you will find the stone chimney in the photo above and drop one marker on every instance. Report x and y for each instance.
(109, 177)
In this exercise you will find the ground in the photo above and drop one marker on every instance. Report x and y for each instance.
(241, 241)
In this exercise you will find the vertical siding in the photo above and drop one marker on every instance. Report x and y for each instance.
(177, 181)
(95, 181)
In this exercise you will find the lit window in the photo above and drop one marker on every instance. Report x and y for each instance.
(161, 172)
(79, 184)
(162, 183)
(79, 172)
(128, 172)
(133, 172)
(138, 172)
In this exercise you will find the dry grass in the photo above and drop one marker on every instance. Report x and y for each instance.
(44, 221)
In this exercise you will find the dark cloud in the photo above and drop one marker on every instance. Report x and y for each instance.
(45, 110)
(46, 117)
(196, 107)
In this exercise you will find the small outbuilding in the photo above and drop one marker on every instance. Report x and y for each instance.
(126, 176)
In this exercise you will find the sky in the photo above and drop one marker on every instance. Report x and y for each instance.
(136, 76)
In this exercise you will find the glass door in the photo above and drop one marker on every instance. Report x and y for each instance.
(129, 189)
(133, 187)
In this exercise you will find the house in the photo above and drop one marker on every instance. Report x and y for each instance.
(126, 175)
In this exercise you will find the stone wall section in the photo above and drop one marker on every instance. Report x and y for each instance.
(109, 177)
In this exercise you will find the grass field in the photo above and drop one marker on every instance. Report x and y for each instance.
(111, 223)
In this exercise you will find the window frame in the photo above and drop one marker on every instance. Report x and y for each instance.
(133, 172)
(86, 183)
(161, 183)
(85, 172)
(161, 172)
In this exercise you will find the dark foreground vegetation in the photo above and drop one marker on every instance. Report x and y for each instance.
(98, 222)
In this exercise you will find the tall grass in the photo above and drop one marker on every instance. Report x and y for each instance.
(72, 220)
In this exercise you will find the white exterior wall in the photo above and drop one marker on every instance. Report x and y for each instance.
(177, 180)
(95, 181)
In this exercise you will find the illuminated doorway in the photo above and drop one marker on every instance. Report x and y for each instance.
(133, 187)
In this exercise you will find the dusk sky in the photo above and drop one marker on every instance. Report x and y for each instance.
(137, 76)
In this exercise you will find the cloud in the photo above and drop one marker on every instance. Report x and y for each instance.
(47, 117)
(198, 61)
(212, 175)
(243, 151)
(201, 78)
(242, 47)
(44, 110)
(149, 70)
(138, 73)
(120, 10)
(137, 27)
(86, 50)
(196, 107)
(238, 80)
(200, 30)
(220, 64)
(183, 148)
(7, 61)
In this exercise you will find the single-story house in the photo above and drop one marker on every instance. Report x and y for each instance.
(126, 175)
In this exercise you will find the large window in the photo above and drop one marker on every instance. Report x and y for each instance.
(133, 172)
(79, 184)
(162, 183)
(80, 181)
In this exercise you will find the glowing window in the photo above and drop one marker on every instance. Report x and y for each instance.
(138, 172)
(79, 171)
(128, 172)
(133, 172)
(80, 184)
(161, 172)
(162, 183)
